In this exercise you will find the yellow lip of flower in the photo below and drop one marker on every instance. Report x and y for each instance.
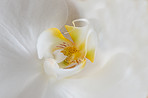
(76, 52)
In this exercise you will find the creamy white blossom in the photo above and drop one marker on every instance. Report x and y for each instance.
(120, 69)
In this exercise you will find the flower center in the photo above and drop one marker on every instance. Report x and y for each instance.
(71, 55)
(68, 51)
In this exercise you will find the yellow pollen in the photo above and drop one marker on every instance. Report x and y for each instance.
(68, 51)
(69, 60)
(73, 55)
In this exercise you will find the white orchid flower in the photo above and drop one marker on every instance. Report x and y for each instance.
(38, 61)
(76, 52)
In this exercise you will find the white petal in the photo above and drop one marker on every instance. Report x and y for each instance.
(36, 88)
(59, 90)
(20, 24)
(25, 20)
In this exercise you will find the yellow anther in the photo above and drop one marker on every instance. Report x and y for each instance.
(68, 51)
(73, 55)
(69, 60)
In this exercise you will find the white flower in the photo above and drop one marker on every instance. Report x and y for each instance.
(120, 67)
(72, 55)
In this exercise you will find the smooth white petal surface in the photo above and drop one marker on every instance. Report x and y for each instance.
(36, 87)
(25, 20)
(21, 21)
(122, 25)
